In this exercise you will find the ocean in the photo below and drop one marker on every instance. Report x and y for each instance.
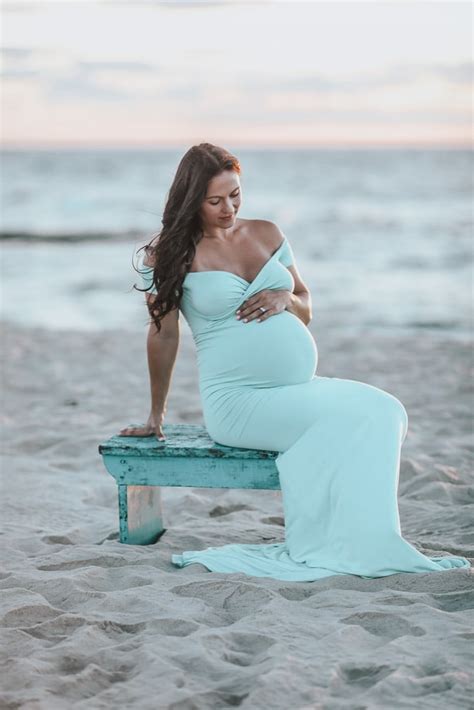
(382, 237)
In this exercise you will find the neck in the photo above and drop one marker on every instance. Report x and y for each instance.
(219, 233)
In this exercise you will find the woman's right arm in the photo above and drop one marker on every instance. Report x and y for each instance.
(161, 349)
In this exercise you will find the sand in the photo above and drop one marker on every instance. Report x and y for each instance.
(89, 623)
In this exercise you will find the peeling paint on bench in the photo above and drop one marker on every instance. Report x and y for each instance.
(187, 458)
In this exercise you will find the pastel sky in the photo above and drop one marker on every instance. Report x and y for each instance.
(147, 73)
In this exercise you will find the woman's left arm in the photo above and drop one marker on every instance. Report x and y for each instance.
(275, 301)
(300, 300)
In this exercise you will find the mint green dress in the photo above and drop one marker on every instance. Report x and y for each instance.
(339, 440)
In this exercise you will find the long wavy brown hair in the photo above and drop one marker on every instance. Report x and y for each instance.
(172, 249)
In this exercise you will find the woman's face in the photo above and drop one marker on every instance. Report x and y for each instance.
(222, 201)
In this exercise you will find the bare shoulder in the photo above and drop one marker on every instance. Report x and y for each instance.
(267, 232)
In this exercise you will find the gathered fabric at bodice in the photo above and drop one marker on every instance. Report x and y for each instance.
(211, 298)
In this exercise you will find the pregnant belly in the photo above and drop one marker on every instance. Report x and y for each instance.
(277, 351)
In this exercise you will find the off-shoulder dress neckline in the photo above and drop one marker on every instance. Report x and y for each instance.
(231, 273)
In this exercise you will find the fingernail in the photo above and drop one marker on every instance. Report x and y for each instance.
(238, 317)
(238, 311)
(246, 320)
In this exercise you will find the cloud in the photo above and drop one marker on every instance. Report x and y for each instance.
(19, 74)
(122, 81)
(140, 67)
(209, 94)
(89, 80)
(22, 6)
(461, 73)
(18, 63)
(392, 76)
(15, 54)
(80, 83)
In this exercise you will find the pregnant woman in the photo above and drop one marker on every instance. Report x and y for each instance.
(238, 287)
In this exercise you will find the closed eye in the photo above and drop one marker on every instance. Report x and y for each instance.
(235, 194)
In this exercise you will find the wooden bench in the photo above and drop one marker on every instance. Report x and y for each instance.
(189, 458)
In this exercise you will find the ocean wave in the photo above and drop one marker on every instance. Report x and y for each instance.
(95, 236)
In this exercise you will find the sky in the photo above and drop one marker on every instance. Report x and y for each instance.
(256, 73)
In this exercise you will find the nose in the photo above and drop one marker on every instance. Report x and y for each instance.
(228, 209)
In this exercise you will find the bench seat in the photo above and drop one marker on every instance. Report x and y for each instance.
(187, 458)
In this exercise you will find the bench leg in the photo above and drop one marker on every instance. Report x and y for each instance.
(140, 516)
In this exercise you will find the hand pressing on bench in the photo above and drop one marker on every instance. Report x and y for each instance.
(152, 427)
(162, 348)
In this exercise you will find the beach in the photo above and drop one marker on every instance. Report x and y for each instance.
(90, 623)
(351, 126)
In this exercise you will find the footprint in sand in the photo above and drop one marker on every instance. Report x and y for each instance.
(220, 510)
(397, 600)
(454, 601)
(363, 675)
(101, 561)
(173, 626)
(58, 629)
(390, 626)
(238, 599)
(299, 593)
(57, 540)
(238, 648)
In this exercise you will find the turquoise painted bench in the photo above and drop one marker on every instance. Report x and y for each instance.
(188, 458)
